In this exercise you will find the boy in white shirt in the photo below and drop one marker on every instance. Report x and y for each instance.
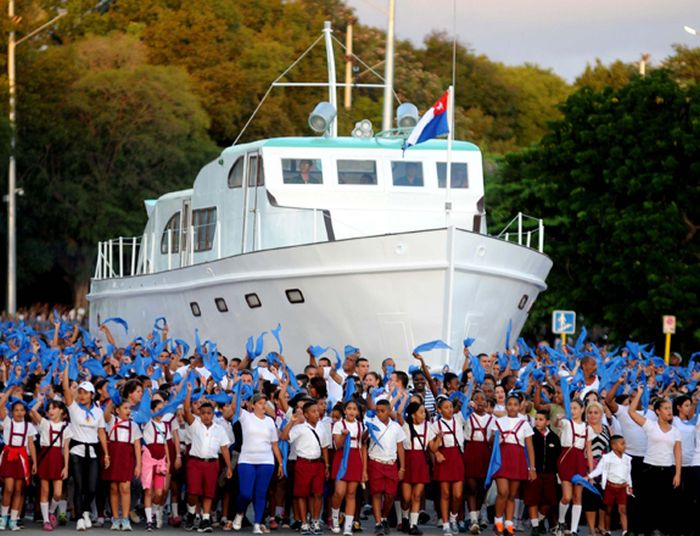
(383, 450)
(616, 470)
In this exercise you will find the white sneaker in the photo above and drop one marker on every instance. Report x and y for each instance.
(80, 525)
(238, 522)
(116, 524)
(126, 525)
(86, 519)
(335, 528)
(257, 529)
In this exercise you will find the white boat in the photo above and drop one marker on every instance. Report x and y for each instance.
(342, 240)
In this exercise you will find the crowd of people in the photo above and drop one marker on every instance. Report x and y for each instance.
(161, 431)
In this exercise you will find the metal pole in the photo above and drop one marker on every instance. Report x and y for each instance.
(170, 249)
(389, 69)
(12, 171)
(348, 67)
(520, 228)
(121, 256)
(330, 59)
(133, 256)
(541, 236)
(667, 349)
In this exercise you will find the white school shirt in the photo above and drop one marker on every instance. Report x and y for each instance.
(155, 432)
(613, 468)
(118, 430)
(17, 428)
(687, 432)
(335, 389)
(228, 428)
(202, 371)
(505, 424)
(660, 444)
(355, 429)
(566, 434)
(389, 436)
(635, 438)
(474, 423)
(84, 428)
(45, 435)
(424, 435)
(307, 444)
(588, 388)
(258, 437)
(206, 442)
(452, 429)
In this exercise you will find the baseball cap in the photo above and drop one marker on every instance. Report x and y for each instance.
(87, 386)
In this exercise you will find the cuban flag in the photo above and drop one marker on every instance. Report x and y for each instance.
(434, 123)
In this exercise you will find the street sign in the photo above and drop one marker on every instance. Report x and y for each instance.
(669, 324)
(564, 322)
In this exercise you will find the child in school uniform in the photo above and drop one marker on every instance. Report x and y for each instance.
(418, 434)
(449, 465)
(384, 449)
(124, 447)
(312, 467)
(477, 453)
(155, 461)
(54, 441)
(540, 495)
(615, 468)
(16, 466)
(348, 428)
(177, 456)
(515, 443)
(575, 459)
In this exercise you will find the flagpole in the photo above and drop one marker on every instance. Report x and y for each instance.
(448, 170)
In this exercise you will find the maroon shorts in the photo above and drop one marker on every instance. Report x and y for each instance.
(572, 461)
(309, 477)
(417, 468)
(477, 455)
(383, 478)
(51, 464)
(615, 494)
(452, 468)
(542, 491)
(122, 461)
(202, 476)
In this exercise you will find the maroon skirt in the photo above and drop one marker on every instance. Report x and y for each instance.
(572, 461)
(513, 462)
(477, 455)
(417, 468)
(354, 470)
(122, 462)
(12, 469)
(452, 468)
(51, 464)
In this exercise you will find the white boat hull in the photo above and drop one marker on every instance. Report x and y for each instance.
(384, 294)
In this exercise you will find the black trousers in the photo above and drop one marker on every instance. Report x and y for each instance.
(85, 472)
(635, 510)
(659, 499)
(690, 484)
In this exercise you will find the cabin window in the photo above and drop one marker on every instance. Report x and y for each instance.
(253, 300)
(171, 234)
(294, 295)
(194, 307)
(407, 173)
(235, 176)
(459, 178)
(204, 223)
(255, 172)
(221, 305)
(362, 172)
(302, 171)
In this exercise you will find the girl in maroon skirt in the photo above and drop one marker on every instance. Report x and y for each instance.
(124, 444)
(477, 453)
(575, 459)
(16, 467)
(517, 462)
(418, 434)
(54, 440)
(449, 465)
(155, 462)
(346, 488)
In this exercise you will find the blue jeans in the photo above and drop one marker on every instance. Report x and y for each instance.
(254, 481)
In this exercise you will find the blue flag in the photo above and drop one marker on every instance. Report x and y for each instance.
(578, 480)
(431, 345)
(495, 461)
(119, 321)
(342, 469)
(566, 395)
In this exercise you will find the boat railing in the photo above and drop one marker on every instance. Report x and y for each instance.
(523, 229)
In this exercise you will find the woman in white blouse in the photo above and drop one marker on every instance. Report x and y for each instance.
(661, 474)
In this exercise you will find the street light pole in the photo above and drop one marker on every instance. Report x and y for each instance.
(12, 172)
(389, 70)
(12, 169)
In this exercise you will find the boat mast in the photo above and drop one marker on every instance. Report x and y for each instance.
(389, 70)
(330, 59)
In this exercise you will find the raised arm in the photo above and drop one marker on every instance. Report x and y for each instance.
(432, 384)
(3, 403)
(610, 395)
(632, 410)
(189, 417)
(67, 393)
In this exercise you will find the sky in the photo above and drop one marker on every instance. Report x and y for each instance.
(563, 35)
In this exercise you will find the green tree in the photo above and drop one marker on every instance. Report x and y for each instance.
(600, 76)
(616, 180)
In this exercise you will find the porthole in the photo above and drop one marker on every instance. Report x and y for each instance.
(194, 307)
(252, 300)
(221, 305)
(294, 295)
(523, 302)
